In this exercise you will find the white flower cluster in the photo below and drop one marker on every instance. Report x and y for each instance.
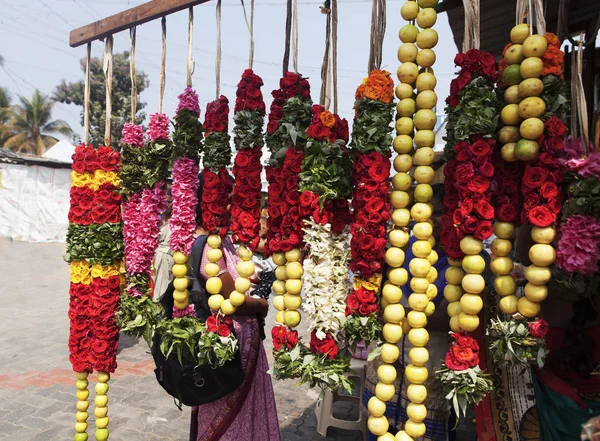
(326, 279)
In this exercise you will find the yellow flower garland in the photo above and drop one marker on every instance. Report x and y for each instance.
(95, 180)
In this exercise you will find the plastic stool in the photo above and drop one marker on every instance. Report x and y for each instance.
(324, 410)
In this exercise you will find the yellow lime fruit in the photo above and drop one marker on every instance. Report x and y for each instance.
(424, 156)
(418, 337)
(532, 107)
(386, 437)
(454, 324)
(401, 181)
(181, 305)
(421, 212)
(454, 275)
(432, 290)
(417, 319)
(244, 253)
(455, 262)
(510, 115)
(501, 247)
(101, 412)
(421, 248)
(294, 270)
(214, 241)
(430, 309)
(280, 273)
(403, 436)
(416, 374)
(431, 240)
(403, 163)
(419, 284)
(508, 304)
(416, 412)
(278, 303)
(504, 230)
(542, 254)
(279, 259)
(425, 119)
(236, 298)
(452, 293)
(393, 313)
(424, 138)
(514, 54)
(227, 308)
(471, 303)
(427, 39)
(398, 277)
(502, 266)
(512, 75)
(511, 95)
(406, 107)
(399, 238)
(280, 317)
(101, 400)
(536, 293)
(470, 245)
(394, 257)
(422, 230)
(468, 322)
(403, 143)
(419, 267)
(407, 52)
(426, 18)
(473, 283)
(293, 286)
(531, 87)
(385, 392)
(102, 423)
(408, 72)
(81, 417)
(431, 275)
(404, 90)
(82, 436)
(376, 407)
(418, 301)
(215, 301)
(101, 434)
(180, 283)
(292, 318)
(214, 285)
(399, 199)
(245, 269)
(181, 296)
(292, 302)
(433, 257)
(103, 377)
(414, 429)
(389, 353)
(473, 264)
(80, 427)
(378, 425)
(179, 270)
(386, 373)
(426, 58)
(101, 388)
(535, 46)
(519, 33)
(405, 126)
(505, 285)
(508, 134)
(408, 34)
(82, 406)
(527, 308)
(418, 356)
(279, 287)
(179, 257)
(426, 81)
(526, 149)
(453, 308)
(392, 333)
(508, 152)
(214, 255)
(242, 284)
(401, 217)
(212, 269)
(424, 174)
(391, 293)
(538, 275)
(409, 11)
(531, 67)
(543, 235)
(416, 393)
(531, 128)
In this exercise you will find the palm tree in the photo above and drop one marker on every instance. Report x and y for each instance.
(5, 111)
(31, 125)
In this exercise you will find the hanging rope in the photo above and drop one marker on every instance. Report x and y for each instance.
(108, 70)
(133, 76)
(579, 117)
(288, 33)
(472, 25)
(334, 27)
(378, 24)
(218, 63)
(295, 36)
(190, 60)
(163, 64)
(324, 98)
(250, 25)
(533, 10)
(86, 97)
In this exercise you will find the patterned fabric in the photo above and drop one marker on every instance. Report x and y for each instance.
(227, 264)
(163, 262)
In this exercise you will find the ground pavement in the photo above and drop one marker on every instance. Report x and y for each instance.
(37, 384)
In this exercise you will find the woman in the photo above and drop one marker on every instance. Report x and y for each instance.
(249, 413)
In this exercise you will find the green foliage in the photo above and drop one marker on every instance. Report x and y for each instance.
(357, 329)
(96, 243)
(476, 114)
(214, 350)
(181, 335)
(187, 136)
(556, 97)
(288, 364)
(217, 151)
(464, 388)
(325, 373)
(297, 114)
(513, 345)
(137, 316)
(583, 198)
(248, 130)
(371, 131)
(73, 93)
(326, 171)
(143, 168)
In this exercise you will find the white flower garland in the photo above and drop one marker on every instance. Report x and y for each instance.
(326, 279)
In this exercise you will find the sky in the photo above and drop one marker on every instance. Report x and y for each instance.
(35, 46)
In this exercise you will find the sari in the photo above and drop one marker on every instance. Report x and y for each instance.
(248, 413)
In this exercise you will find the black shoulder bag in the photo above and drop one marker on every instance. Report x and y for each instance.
(187, 384)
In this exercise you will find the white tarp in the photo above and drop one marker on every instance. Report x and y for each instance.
(34, 202)
(61, 151)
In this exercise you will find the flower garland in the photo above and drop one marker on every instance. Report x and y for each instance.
(371, 141)
(247, 192)
(144, 172)
(187, 146)
(95, 252)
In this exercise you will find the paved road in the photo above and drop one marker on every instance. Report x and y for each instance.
(37, 392)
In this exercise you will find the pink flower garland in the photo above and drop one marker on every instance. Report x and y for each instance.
(579, 245)
(133, 135)
(183, 194)
(159, 127)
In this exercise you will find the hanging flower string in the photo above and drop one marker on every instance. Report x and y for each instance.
(187, 147)
(371, 141)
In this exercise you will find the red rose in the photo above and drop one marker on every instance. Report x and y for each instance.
(463, 79)
(555, 128)
(472, 56)
(541, 216)
(292, 339)
(326, 346)
(464, 172)
(319, 132)
(212, 324)
(480, 148)
(365, 296)
(549, 190)
(507, 213)
(539, 328)
(453, 100)
(463, 155)
(464, 355)
(224, 331)
(534, 177)
(478, 184)
(469, 225)
(487, 170)
(454, 364)
(353, 301)
(484, 230)
(484, 209)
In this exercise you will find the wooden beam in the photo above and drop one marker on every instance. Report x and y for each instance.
(127, 19)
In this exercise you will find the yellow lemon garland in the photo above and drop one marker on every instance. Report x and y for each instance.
(502, 266)
(101, 410)
(472, 283)
(279, 286)
(82, 406)
(179, 269)
(288, 287)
